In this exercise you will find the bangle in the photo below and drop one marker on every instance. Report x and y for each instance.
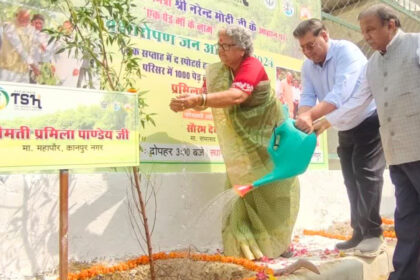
(204, 99)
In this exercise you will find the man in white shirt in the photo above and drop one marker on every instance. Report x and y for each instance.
(331, 75)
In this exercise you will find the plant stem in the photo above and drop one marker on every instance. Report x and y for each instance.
(145, 223)
(102, 42)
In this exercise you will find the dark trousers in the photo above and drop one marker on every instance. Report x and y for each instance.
(363, 163)
(406, 260)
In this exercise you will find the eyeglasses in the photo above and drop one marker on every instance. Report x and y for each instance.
(224, 47)
(309, 46)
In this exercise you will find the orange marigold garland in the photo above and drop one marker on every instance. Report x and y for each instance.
(143, 260)
(387, 221)
(386, 233)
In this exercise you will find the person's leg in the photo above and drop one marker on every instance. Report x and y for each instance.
(406, 259)
(345, 153)
(369, 166)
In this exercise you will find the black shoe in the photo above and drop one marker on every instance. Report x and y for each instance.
(349, 244)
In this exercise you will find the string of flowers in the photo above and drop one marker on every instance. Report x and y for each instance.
(143, 260)
(386, 233)
(325, 234)
(386, 221)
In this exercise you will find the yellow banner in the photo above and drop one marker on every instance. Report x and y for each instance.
(44, 127)
(177, 44)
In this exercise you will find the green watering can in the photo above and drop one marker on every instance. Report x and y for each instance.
(290, 150)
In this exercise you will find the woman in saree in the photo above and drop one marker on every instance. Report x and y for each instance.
(245, 112)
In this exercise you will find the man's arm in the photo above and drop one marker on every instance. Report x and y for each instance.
(355, 106)
(352, 108)
(303, 109)
(306, 118)
(349, 69)
(308, 96)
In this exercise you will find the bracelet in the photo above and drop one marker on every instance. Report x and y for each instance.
(204, 99)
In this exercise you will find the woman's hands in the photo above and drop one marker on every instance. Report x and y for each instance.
(221, 99)
(185, 101)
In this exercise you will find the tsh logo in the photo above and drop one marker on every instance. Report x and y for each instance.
(26, 99)
(4, 98)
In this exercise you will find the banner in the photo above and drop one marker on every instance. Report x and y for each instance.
(175, 46)
(45, 127)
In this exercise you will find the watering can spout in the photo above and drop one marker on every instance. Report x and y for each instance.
(290, 150)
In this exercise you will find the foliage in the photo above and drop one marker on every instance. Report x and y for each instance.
(111, 52)
(47, 76)
(90, 38)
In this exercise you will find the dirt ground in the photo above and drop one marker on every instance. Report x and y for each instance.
(177, 269)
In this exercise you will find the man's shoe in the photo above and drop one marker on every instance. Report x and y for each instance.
(370, 247)
(349, 244)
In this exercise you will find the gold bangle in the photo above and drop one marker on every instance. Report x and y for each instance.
(204, 99)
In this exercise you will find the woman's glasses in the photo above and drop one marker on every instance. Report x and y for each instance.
(224, 47)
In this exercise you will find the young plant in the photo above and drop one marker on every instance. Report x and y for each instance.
(85, 35)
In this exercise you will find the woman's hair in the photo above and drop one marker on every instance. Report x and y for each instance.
(383, 12)
(241, 36)
(313, 25)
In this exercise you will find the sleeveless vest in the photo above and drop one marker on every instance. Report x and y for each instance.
(394, 79)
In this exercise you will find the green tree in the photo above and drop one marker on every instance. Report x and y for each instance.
(90, 38)
(111, 52)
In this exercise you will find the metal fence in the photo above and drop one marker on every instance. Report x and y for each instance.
(340, 17)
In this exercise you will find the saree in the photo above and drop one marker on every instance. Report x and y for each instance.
(261, 223)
